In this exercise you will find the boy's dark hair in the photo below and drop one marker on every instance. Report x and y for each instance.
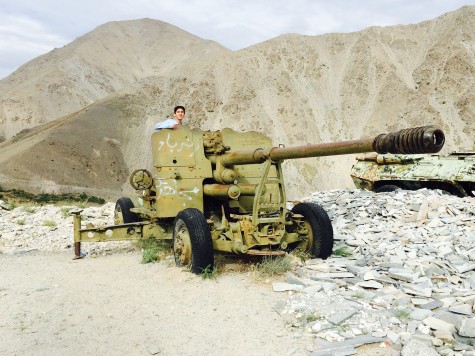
(178, 107)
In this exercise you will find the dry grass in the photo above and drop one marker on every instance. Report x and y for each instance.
(154, 250)
(272, 267)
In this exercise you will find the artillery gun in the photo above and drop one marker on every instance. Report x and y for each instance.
(224, 191)
(453, 173)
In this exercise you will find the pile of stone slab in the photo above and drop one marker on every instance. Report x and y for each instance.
(402, 274)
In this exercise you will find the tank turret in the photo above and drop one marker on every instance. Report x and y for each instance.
(453, 173)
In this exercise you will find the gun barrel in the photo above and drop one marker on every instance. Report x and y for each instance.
(426, 139)
(321, 149)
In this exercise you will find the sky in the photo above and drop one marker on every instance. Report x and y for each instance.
(29, 28)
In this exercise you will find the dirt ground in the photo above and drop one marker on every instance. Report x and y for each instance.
(51, 304)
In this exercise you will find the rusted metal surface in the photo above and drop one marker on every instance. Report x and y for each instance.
(230, 191)
(426, 139)
(119, 232)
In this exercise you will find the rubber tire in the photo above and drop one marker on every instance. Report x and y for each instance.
(125, 204)
(322, 228)
(387, 188)
(202, 253)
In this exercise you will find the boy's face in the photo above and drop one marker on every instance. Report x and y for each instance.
(180, 115)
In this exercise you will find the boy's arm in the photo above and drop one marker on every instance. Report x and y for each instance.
(167, 124)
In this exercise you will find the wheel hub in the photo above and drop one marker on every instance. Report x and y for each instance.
(182, 246)
(118, 217)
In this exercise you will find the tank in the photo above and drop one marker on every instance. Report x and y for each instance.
(225, 191)
(453, 173)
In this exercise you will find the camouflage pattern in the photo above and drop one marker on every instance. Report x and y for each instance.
(453, 173)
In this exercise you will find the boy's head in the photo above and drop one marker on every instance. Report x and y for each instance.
(178, 108)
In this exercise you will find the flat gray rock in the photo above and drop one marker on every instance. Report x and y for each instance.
(341, 316)
(465, 309)
(335, 347)
(432, 305)
(419, 348)
(421, 314)
(332, 275)
(283, 287)
(438, 324)
(467, 328)
(370, 284)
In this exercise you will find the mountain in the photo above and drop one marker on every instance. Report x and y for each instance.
(87, 110)
(107, 60)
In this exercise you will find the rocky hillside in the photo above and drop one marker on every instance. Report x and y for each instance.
(297, 89)
(105, 61)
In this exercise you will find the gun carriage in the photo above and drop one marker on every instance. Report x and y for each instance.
(224, 191)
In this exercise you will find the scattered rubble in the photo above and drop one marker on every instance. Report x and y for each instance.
(50, 228)
(409, 278)
(402, 274)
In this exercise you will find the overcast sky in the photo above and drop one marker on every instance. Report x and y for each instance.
(29, 28)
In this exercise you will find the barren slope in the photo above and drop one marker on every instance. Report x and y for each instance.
(106, 60)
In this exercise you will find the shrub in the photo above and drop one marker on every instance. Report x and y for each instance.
(65, 211)
(49, 223)
(358, 295)
(209, 273)
(272, 266)
(402, 314)
(303, 255)
(313, 317)
(28, 209)
(19, 195)
(342, 251)
(153, 249)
